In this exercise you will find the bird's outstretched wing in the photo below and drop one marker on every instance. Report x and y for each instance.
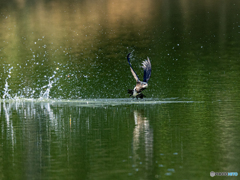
(147, 70)
(133, 72)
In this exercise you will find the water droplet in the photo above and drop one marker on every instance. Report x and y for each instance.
(171, 170)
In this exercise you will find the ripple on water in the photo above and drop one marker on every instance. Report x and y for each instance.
(98, 102)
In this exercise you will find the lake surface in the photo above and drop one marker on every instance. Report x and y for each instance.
(65, 112)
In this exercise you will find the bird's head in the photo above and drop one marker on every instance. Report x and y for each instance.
(144, 85)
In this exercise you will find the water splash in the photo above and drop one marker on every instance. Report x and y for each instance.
(27, 92)
(6, 94)
(45, 95)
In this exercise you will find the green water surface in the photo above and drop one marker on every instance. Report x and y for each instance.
(64, 108)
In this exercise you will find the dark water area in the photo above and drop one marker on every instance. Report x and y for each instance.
(65, 111)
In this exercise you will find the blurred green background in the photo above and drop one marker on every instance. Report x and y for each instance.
(193, 47)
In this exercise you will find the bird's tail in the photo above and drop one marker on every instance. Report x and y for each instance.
(130, 91)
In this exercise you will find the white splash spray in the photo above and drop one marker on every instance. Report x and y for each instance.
(45, 95)
(6, 94)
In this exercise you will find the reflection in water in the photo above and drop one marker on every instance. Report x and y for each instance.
(68, 140)
(43, 131)
(21, 111)
(31, 135)
(9, 125)
(142, 138)
(41, 138)
(49, 135)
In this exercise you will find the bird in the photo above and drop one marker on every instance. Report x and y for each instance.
(141, 85)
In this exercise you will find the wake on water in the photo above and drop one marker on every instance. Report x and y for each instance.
(44, 97)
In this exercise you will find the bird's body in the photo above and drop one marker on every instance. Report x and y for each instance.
(141, 85)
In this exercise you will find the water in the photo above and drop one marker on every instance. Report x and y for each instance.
(65, 112)
(126, 139)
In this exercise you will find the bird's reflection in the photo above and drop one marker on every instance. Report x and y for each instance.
(142, 140)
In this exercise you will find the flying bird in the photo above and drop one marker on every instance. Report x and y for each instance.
(141, 85)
